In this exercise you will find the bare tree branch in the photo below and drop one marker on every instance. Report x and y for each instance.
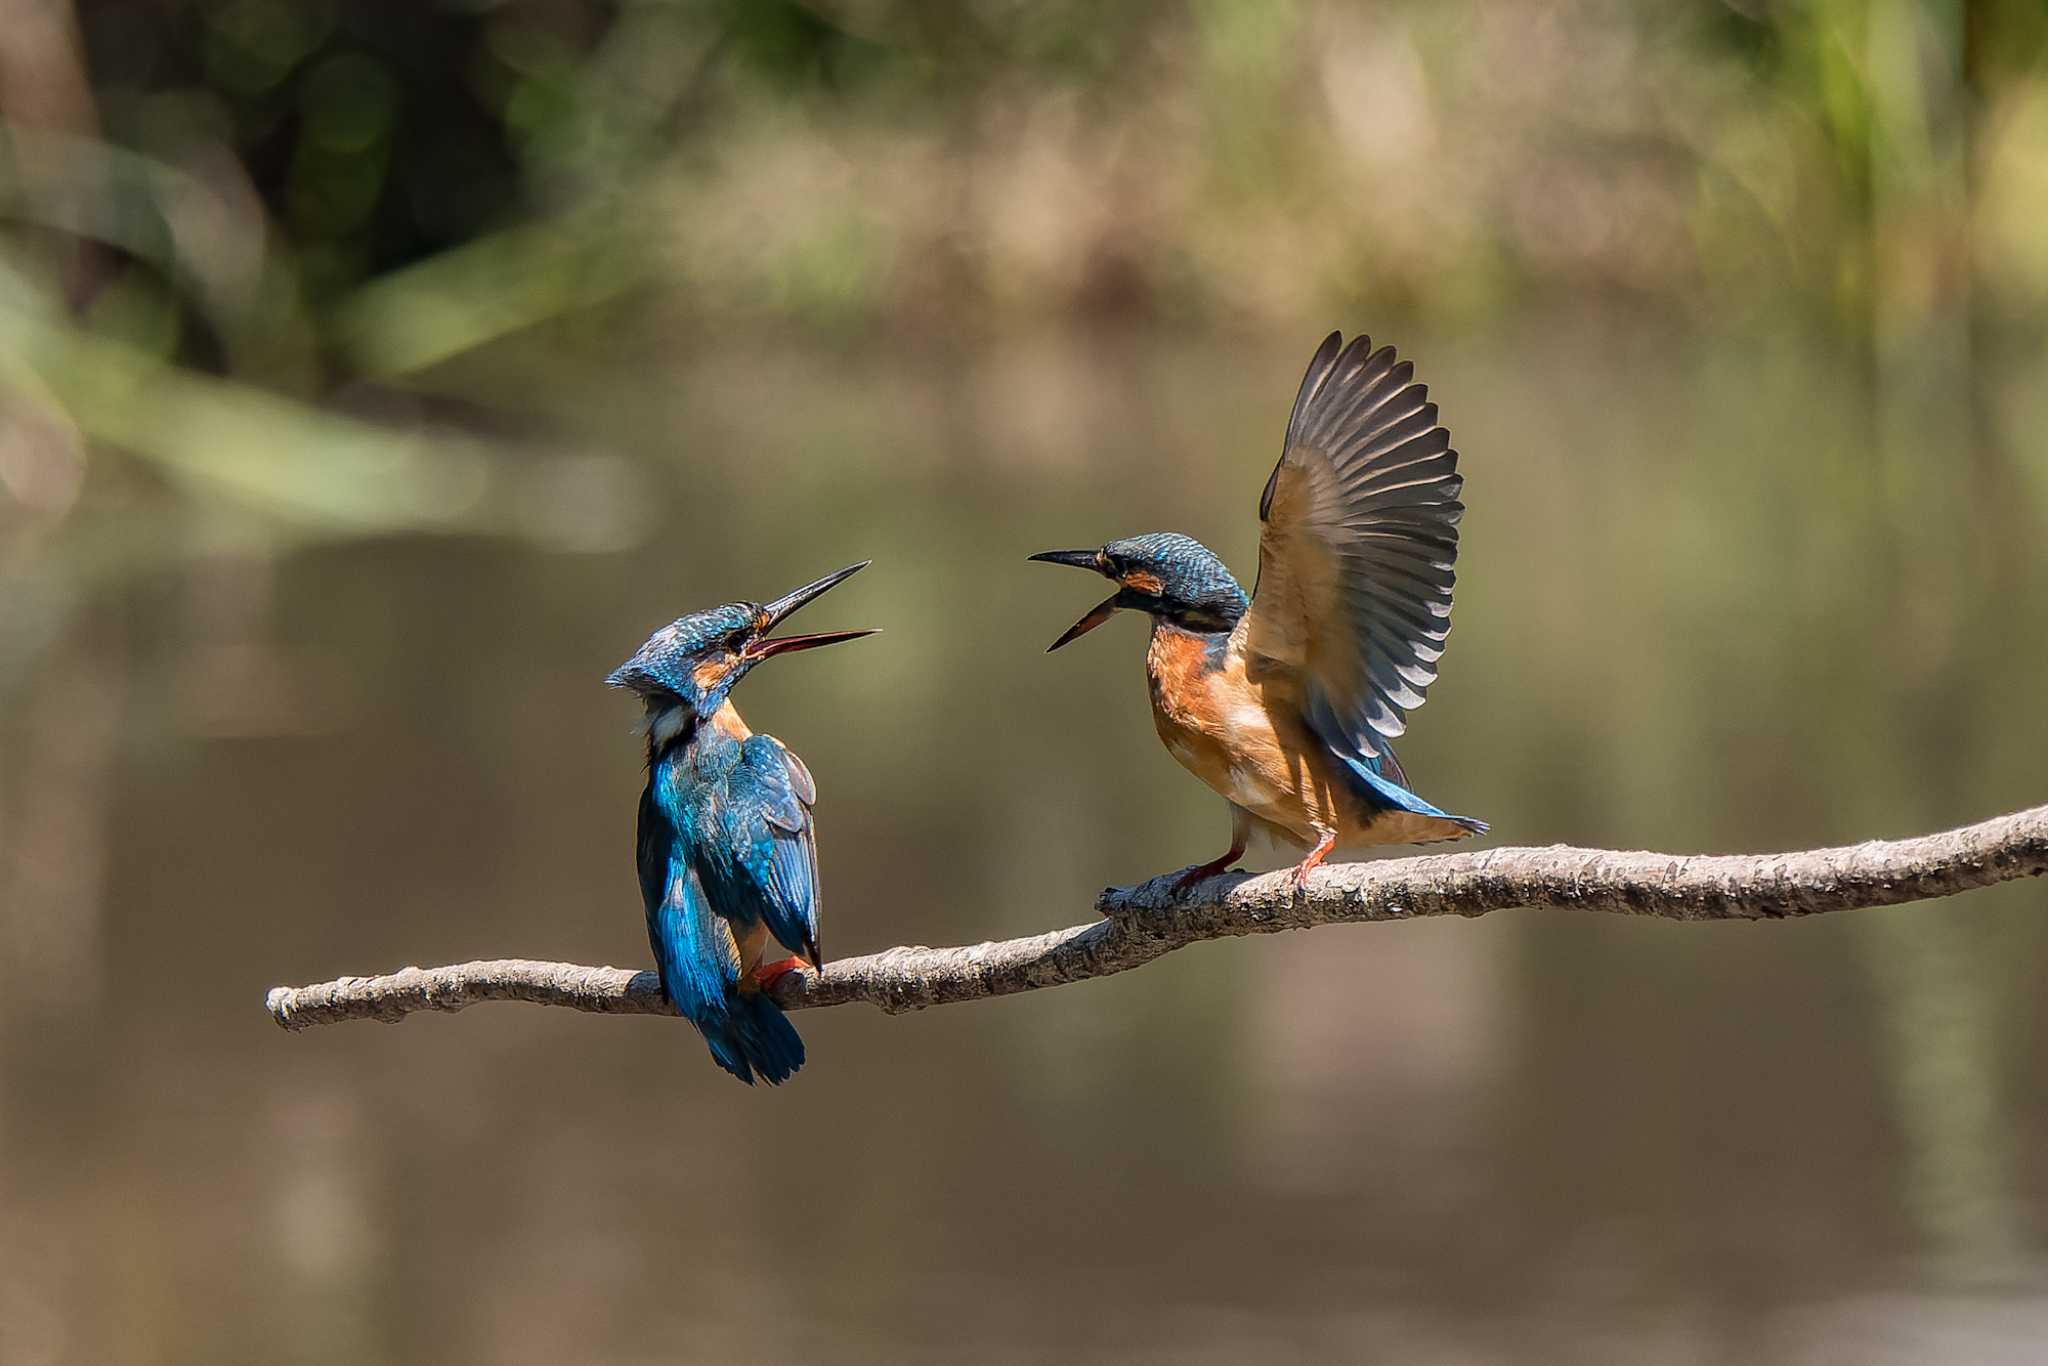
(1144, 922)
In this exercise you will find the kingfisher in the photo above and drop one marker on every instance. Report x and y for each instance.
(1287, 703)
(728, 852)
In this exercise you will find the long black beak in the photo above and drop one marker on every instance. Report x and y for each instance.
(1103, 611)
(1079, 559)
(787, 605)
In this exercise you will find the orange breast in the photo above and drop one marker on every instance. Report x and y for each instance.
(750, 947)
(1245, 738)
(727, 720)
(1247, 745)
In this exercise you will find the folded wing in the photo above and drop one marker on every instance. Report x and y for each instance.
(1358, 541)
(693, 946)
(784, 862)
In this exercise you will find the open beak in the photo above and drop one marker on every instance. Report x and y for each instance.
(764, 645)
(1103, 611)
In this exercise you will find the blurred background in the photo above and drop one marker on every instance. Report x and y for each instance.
(374, 376)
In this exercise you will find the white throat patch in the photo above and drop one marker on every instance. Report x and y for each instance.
(666, 724)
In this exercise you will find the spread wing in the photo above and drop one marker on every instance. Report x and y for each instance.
(783, 864)
(1358, 538)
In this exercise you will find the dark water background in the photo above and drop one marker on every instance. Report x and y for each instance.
(1717, 594)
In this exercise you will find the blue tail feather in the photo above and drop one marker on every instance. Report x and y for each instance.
(770, 1041)
(1360, 760)
(745, 1031)
(724, 1042)
(1400, 798)
(749, 1036)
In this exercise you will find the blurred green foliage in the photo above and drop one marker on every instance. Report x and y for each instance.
(875, 160)
(308, 196)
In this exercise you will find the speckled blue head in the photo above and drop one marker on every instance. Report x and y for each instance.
(694, 661)
(1163, 573)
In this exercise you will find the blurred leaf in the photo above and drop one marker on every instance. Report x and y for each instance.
(259, 448)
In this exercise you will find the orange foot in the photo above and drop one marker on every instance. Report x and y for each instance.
(1314, 860)
(767, 975)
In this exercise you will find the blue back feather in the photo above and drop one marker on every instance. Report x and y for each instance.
(698, 849)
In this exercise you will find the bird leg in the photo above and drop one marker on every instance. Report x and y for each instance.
(1326, 842)
(766, 975)
(1240, 836)
(1208, 870)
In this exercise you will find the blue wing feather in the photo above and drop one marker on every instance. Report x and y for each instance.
(692, 936)
(786, 862)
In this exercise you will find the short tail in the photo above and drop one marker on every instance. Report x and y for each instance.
(1386, 792)
(768, 1041)
(752, 1038)
(694, 950)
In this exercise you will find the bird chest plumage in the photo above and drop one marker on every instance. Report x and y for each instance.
(1221, 726)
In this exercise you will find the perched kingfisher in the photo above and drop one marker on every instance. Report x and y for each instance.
(1287, 703)
(727, 849)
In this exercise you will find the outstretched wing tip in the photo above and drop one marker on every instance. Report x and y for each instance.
(1359, 539)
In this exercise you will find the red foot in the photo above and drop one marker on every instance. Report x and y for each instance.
(767, 975)
(1313, 861)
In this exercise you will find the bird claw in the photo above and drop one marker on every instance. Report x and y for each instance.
(1312, 862)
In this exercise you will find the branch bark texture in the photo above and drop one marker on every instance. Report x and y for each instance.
(1150, 920)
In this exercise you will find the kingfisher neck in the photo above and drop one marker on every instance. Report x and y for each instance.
(1164, 627)
(678, 727)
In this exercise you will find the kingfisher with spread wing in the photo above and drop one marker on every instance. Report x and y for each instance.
(1287, 704)
(728, 851)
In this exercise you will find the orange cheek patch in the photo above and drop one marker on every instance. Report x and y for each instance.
(710, 674)
(1145, 582)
